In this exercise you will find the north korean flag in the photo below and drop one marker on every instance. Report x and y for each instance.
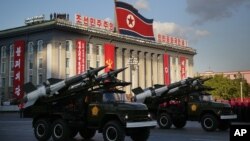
(132, 23)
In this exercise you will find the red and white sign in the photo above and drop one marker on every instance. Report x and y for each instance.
(80, 56)
(19, 54)
(166, 69)
(109, 52)
(172, 40)
(93, 22)
(183, 67)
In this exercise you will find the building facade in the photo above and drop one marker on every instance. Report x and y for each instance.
(50, 51)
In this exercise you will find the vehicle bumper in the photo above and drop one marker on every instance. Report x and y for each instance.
(228, 117)
(141, 124)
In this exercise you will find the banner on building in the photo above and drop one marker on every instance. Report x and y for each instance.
(183, 67)
(19, 55)
(172, 40)
(166, 69)
(130, 22)
(93, 22)
(80, 56)
(109, 52)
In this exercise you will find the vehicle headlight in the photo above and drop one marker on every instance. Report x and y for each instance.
(126, 117)
(219, 112)
(149, 115)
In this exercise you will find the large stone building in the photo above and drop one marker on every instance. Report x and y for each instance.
(51, 47)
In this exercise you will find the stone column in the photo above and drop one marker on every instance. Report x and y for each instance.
(119, 62)
(134, 70)
(155, 74)
(141, 70)
(148, 70)
(101, 57)
(92, 52)
(127, 71)
(160, 69)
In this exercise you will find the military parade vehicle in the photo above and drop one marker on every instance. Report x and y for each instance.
(86, 103)
(186, 100)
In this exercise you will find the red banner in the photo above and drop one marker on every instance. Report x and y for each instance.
(80, 56)
(109, 52)
(166, 69)
(183, 67)
(131, 22)
(19, 55)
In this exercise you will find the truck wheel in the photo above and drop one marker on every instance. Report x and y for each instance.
(223, 125)
(209, 122)
(113, 132)
(87, 133)
(164, 121)
(179, 123)
(73, 132)
(42, 129)
(141, 134)
(60, 130)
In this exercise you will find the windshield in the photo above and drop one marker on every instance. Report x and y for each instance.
(207, 97)
(114, 97)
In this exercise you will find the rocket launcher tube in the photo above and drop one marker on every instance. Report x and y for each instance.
(142, 96)
(73, 80)
(109, 74)
(34, 95)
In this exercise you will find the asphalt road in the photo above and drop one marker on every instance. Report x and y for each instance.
(12, 128)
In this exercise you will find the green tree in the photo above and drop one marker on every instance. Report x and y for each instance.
(225, 88)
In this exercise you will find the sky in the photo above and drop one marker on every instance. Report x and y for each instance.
(218, 29)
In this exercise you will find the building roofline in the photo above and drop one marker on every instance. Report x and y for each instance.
(67, 25)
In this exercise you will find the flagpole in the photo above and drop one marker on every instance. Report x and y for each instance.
(116, 23)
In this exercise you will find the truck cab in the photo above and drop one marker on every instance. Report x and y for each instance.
(196, 106)
(211, 114)
(110, 112)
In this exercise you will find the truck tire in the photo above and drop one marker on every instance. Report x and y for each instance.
(73, 132)
(209, 122)
(164, 121)
(87, 133)
(141, 134)
(60, 130)
(113, 131)
(42, 129)
(179, 123)
(223, 125)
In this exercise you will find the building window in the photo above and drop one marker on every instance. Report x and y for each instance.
(40, 46)
(3, 84)
(67, 62)
(30, 78)
(30, 47)
(11, 57)
(11, 81)
(31, 62)
(97, 64)
(68, 45)
(40, 63)
(88, 64)
(98, 50)
(3, 67)
(3, 51)
(40, 79)
(88, 48)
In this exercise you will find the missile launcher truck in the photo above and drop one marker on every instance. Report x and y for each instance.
(86, 103)
(186, 100)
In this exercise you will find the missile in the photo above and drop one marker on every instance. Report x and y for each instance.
(48, 88)
(74, 79)
(163, 90)
(109, 75)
